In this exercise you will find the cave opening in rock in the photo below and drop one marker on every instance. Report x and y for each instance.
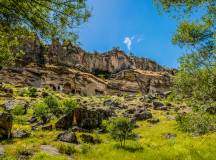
(102, 74)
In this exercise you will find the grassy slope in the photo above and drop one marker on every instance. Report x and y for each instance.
(155, 146)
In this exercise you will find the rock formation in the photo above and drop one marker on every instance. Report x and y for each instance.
(67, 68)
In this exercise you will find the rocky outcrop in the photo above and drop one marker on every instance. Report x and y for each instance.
(5, 125)
(70, 55)
(86, 118)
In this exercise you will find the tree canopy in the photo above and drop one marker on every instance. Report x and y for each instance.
(46, 18)
(197, 34)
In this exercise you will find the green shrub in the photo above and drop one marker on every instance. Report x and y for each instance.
(19, 110)
(197, 123)
(41, 110)
(68, 149)
(69, 104)
(53, 104)
(121, 129)
(32, 91)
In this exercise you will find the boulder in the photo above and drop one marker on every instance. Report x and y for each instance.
(2, 151)
(32, 120)
(157, 104)
(170, 135)
(142, 114)
(5, 125)
(19, 133)
(153, 120)
(86, 118)
(68, 136)
(47, 127)
(89, 139)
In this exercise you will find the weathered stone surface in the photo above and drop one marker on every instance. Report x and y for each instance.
(19, 133)
(2, 151)
(153, 120)
(50, 150)
(68, 136)
(170, 135)
(47, 127)
(84, 118)
(5, 125)
(89, 139)
(142, 114)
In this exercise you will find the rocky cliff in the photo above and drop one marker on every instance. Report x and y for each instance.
(68, 68)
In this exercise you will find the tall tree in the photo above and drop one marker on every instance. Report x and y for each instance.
(47, 18)
(197, 33)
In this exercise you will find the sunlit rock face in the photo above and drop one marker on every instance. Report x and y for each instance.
(68, 68)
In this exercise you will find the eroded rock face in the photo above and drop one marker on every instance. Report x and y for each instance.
(84, 118)
(5, 125)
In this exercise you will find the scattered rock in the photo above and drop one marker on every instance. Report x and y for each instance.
(78, 129)
(89, 139)
(32, 120)
(49, 149)
(142, 114)
(153, 120)
(170, 135)
(47, 127)
(112, 104)
(68, 136)
(19, 133)
(5, 125)
(157, 104)
(2, 151)
(211, 110)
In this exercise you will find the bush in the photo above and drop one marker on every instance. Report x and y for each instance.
(41, 110)
(121, 129)
(32, 92)
(69, 104)
(197, 123)
(68, 149)
(53, 104)
(19, 110)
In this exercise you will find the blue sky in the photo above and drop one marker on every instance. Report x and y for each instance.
(134, 26)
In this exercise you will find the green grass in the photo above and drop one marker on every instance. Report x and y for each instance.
(151, 146)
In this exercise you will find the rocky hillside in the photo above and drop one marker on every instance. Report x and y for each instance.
(70, 69)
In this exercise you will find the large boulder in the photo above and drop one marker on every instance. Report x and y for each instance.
(67, 136)
(83, 117)
(142, 114)
(5, 125)
(19, 133)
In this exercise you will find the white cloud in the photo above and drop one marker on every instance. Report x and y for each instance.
(128, 42)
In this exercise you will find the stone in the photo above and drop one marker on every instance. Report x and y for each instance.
(5, 125)
(89, 139)
(50, 150)
(68, 136)
(142, 114)
(153, 120)
(19, 133)
(86, 118)
(2, 151)
(47, 127)
(157, 104)
(32, 120)
(78, 129)
(170, 135)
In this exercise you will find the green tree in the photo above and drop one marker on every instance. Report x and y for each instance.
(121, 129)
(47, 18)
(197, 34)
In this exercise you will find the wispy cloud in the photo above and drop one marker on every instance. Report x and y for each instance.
(128, 42)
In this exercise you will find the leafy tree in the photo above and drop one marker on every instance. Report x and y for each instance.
(121, 129)
(53, 105)
(47, 18)
(69, 104)
(41, 111)
(197, 74)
